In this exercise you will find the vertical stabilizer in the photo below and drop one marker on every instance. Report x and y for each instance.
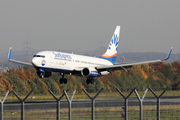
(111, 52)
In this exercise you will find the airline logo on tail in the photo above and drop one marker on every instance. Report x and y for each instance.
(111, 52)
(114, 43)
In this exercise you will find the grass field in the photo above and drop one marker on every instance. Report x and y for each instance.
(149, 113)
(12, 98)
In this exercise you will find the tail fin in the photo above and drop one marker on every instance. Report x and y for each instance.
(111, 52)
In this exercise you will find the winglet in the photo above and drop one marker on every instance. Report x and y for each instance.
(9, 54)
(16, 61)
(168, 56)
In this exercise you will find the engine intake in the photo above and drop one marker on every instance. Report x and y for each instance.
(89, 72)
(85, 72)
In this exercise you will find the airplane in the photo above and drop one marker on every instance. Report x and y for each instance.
(47, 62)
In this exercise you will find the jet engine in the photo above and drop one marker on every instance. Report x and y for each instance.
(89, 72)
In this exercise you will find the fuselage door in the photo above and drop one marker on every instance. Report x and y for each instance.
(52, 58)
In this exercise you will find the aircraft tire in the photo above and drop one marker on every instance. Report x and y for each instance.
(65, 81)
(61, 81)
(41, 75)
(88, 80)
(92, 81)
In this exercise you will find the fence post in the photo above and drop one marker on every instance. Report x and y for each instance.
(2, 103)
(125, 101)
(22, 102)
(158, 101)
(141, 101)
(123, 113)
(58, 102)
(70, 101)
(92, 101)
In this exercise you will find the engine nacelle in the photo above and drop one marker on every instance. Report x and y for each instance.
(41, 73)
(89, 72)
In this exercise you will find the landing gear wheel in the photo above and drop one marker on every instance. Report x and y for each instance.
(61, 81)
(65, 81)
(41, 75)
(88, 80)
(92, 81)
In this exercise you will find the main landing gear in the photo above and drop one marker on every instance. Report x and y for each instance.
(89, 80)
(63, 80)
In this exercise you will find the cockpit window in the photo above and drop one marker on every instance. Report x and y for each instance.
(39, 56)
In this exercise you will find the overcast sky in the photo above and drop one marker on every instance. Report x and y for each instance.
(80, 25)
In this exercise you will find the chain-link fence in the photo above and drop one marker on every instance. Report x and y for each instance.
(127, 107)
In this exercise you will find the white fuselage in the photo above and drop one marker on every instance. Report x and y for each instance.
(47, 62)
(64, 62)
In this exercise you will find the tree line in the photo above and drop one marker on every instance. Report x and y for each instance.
(155, 75)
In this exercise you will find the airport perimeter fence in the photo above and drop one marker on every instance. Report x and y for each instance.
(123, 108)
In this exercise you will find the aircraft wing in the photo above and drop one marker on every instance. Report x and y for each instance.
(128, 65)
(16, 61)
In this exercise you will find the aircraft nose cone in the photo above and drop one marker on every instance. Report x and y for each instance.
(34, 61)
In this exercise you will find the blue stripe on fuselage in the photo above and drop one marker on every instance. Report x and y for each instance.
(77, 73)
(112, 59)
(55, 70)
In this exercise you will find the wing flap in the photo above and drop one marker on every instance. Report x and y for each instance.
(124, 66)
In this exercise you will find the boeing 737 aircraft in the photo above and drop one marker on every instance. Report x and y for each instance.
(46, 62)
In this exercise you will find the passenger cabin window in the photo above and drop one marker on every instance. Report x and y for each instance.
(39, 56)
(77, 61)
